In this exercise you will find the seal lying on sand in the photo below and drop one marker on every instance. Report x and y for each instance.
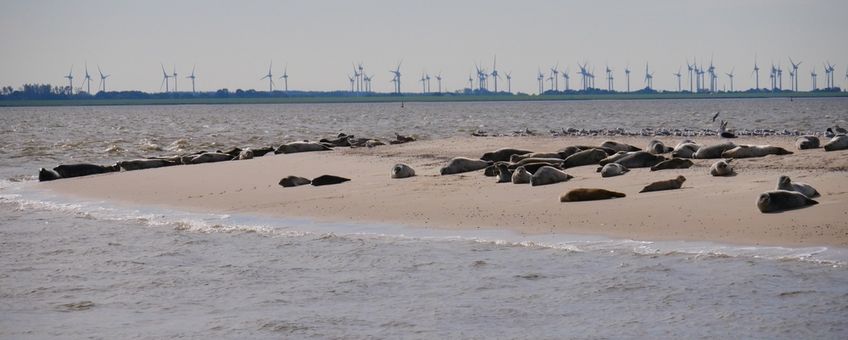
(685, 150)
(401, 170)
(518, 158)
(749, 151)
(521, 176)
(548, 175)
(504, 174)
(839, 142)
(722, 168)
(784, 183)
(640, 159)
(328, 179)
(807, 142)
(74, 170)
(245, 154)
(614, 157)
(502, 155)
(712, 151)
(670, 184)
(589, 194)
(613, 169)
(618, 146)
(462, 164)
(674, 163)
(657, 147)
(780, 200)
(259, 152)
(585, 157)
(141, 164)
(293, 181)
(208, 157)
(295, 147)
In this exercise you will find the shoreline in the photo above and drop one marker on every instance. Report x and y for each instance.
(706, 209)
(187, 99)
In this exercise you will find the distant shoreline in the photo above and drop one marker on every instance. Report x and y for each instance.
(411, 98)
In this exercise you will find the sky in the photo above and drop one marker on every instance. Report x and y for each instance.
(231, 43)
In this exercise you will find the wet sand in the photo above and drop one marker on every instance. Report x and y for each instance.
(707, 208)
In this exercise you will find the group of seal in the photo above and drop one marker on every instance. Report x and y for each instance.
(293, 181)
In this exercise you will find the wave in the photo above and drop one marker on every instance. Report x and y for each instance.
(23, 196)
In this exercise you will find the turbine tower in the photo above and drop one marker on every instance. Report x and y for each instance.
(541, 79)
(165, 77)
(494, 73)
(270, 78)
(175, 78)
(649, 78)
(555, 76)
(566, 78)
(813, 75)
(87, 79)
(192, 77)
(678, 75)
(70, 77)
(471, 81)
(102, 79)
(731, 78)
(509, 81)
(690, 68)
(428, 82)
(439, 80)
(756, 73)
(794, 74)
(609, 79)
(285, 77)
(352, 81)
(396, 72)
(627, 75)
(357, 77)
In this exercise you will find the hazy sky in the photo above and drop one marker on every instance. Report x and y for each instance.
(232, 42)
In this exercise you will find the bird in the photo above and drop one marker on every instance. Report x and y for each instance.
(723, 132)
(715, 116)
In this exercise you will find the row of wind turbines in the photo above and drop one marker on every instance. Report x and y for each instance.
(700, 78)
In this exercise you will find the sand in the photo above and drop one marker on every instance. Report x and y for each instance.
(720, 209)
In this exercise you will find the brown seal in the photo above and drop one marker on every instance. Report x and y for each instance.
(589, 194)
(670, 184)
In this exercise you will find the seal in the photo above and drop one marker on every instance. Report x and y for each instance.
(533, 167)
(74, 170)
(373, 142)
(401, 170)
(657, 147)
(781, 200)
(503, 155)
(618, 146)
(141, 164)
(45, 175)
(685, 150)
(245, 154)
(784, 183)
(208, 157)
(341, 140)
(712, 151)
(518, 158)
(400, 139)
(521, 176)
(589, 194)
(722, 168)
(504, 174)
(807, 142)
(552, 161)
(585, 157)
(570, 150)
(674, 163)
(548, 175)
(462, 164)
(613, 169)
(640, 159)
(670, 184)
(293, 181)
(750, 151)
(259, 152)
(491, 170)
(838, 142)
(614, 157)
(304, 146)
(328, 180)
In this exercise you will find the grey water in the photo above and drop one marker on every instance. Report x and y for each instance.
(74, 269)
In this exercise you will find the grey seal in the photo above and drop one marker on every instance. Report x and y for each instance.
(503, 154)
(140, 164)
(401, 170)
(838, 142)
(548, 175)
(585, 157)
(245, 154)
(462, 164)
(781, 200)
(589, 194)
(712, 151)
(521, 176)
(640, 159)
(618, 146)
(784, 183)
(504, 174)
(807, 142)
(670, 184)
(328, 180)
(295, 147)
(685, 150)
(674, 163)
(293, 181)
(208, 157)
(657, 147)
(613, 169)
(750, 151)
(722, 168)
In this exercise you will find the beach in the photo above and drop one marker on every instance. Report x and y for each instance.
(707, 208)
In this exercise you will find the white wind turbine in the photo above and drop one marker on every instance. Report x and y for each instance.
(70, 78)
(87, 79)
(102, 79)
(730, 75)
(192, 77)
(270, 78)
(165, 77)
(285, 77)
(175, 78)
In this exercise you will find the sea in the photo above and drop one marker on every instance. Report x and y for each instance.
(72, 268)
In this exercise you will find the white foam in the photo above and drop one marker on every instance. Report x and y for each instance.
(25, 196)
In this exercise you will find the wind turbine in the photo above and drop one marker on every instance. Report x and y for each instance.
(649, 77)
(555, 76)
(756, 73)
(87, 79)
(627, 75)
(270, 78)
(423, 81)
(471, 81)
(690, 68)
(356, 76)
(439, 80)
(361, 77)
(813, 75)
(609, 78)
(794, 77)
(509, 81)
(102, 79)
(352, 81)
(566, 78)
(396, 72)
(175, 78)
(70, 77)
(678, 75)
(731, 78)
(165, 77)
(285, 77)
(779, 77)
(192, 77)
(541, 79)
(495, 74)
